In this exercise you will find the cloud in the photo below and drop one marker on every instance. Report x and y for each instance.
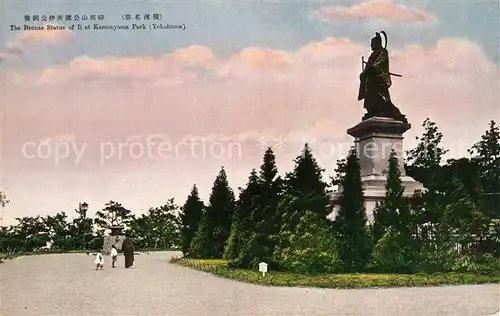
(256, 97)
(28, 39)
(198, 63)
(180, 66)
(304, 95)
(376, 10)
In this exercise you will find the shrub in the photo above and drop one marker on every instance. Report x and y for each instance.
(310, 248)
(390, 255)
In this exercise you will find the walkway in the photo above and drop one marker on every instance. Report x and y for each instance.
(68, 284)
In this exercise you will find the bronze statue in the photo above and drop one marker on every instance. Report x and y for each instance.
(128, 252)
(375, 81)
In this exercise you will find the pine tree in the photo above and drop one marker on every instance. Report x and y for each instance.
(190, 218)
(395, 247)
(487, 156)
(394, 209)
(266, 218)
(233, 244)
(200, 246)
(114, 214)
(244, 226)
(219, 214)
(353, 241)
(270, 188)
(305, 182)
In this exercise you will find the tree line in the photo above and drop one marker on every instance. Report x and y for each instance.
(454, 225)
(157, 229)
(283, 220)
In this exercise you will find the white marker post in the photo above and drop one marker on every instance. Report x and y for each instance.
(263, 268)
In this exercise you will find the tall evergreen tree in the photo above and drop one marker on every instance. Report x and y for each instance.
(394, 209)
(201, 244)
(266, 218)
(305, 182)
(270, 188)
(220, 214)
(353, 241)
(395, 247)
(190, 218)
(486, 154)
(244, 226)
(233, 244)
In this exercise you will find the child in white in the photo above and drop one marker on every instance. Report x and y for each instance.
(114, 255)
(99, 260)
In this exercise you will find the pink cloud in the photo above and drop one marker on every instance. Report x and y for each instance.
(180, 66)
(283, 98)
(371, 10)
(28, 39)
(195, 55)
(316, 82)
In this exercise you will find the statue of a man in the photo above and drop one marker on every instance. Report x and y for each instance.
(376, 81)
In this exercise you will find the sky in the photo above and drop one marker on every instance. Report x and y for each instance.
(140, 116)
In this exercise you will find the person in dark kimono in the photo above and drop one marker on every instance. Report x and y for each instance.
(128, 252)
(375, 81)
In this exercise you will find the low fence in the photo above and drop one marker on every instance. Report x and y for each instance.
(475, 244)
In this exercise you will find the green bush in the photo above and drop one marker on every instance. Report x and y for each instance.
(390, 255)
(310, 248)
(477, 264)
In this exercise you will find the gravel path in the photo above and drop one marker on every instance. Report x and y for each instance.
(67, 284)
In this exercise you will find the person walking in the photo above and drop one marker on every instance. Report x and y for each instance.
(128, 251)
(99, 260)
(114, 256)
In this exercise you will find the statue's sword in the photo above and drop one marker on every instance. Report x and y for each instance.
(363, 62)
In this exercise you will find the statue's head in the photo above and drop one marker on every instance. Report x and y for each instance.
(376, 43)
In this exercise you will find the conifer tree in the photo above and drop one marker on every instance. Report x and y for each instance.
(201, 244)
(219, 214)
(266, 218)
(305, 182)
(395, 248)
(353, 241)
(270, 188)
(394, 209)
(244, 226)
(190, 218)
(233, 244)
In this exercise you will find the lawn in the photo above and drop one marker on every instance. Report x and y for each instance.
(344, 281)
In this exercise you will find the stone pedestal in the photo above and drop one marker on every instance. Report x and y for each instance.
(116, 238)
(375, 139)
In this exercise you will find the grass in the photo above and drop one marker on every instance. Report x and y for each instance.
(342, 281)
